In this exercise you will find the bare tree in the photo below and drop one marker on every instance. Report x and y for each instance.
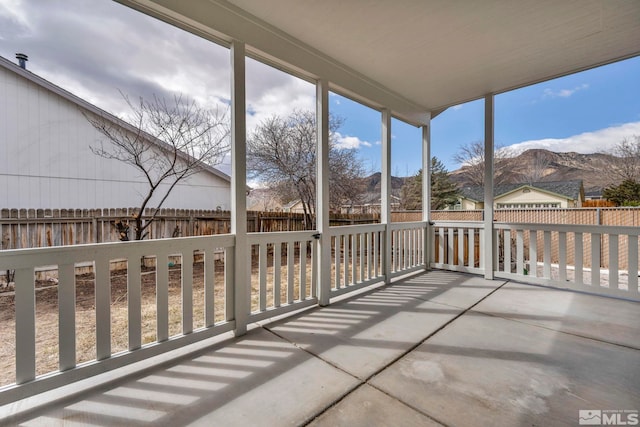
(536, 169)
(282, 152)
(626, 165)
(166, 142)
(471, 159)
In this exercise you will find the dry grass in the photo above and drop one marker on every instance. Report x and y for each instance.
(47, 335)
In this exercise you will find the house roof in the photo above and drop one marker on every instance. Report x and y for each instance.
(568, 189)
(417, 58)
(81, 103)
(292, 204)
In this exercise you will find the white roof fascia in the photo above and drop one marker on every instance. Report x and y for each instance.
(223, 22)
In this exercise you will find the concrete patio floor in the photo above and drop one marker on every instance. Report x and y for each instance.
(439, 348)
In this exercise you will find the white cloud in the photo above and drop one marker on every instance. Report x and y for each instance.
(350, 142)
(563, 93)
(457, 107)
(139, 56)
(585, 143)
(11, 9)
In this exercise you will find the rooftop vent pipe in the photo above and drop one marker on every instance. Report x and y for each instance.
(22, 60)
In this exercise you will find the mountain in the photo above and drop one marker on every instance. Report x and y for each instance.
(373, 182)
(551, 166)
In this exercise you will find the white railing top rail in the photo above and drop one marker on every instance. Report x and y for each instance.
(603, 229)
(405, 225)
(351, 229)
(459, 224)
(280, 236)
(59, 255)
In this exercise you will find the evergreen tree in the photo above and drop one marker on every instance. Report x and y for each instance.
(625, 194)
(444, 192)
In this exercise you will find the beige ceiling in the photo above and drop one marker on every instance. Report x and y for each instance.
(417, 56)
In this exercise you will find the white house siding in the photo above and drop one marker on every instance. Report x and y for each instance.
(470, 205)
(46, 160)
(533, 197)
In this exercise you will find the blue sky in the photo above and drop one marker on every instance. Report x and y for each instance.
(585, 112)
(140, 56)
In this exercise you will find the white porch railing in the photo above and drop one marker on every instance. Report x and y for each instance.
(596, 259)
(284, 276)
(357, 256)
(25, 262)
(581, 257)
(270, 294)
(407, 247)
(457, 246)
(177, 292)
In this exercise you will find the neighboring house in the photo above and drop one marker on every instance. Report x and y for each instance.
(537, 195)
(46, 160)
(593, 194)
(294, 206)
(370, 203)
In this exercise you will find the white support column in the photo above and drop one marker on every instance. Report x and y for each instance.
(242, 253)
(385, 186)
(488, 246)
(426, 192)
(323, 247)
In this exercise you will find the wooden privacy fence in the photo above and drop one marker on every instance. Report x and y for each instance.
(620, 216)
(34, 228)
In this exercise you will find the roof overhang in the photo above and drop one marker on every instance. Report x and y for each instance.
(417, 58)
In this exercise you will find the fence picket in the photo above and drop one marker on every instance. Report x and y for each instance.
(67, 316)
(303, 270)
(25, 307)
(533, 253)
(633, 264)
(134, 302)
(507, 250)
(277, 264)
(519, 251)
(578, 258)
(595, 259)
(187, 292)
(290, 272)
(546, 255)
(338, 248)
(460, 246)
(162, 296)
(613, 261)
(562, 256)
(262, 276)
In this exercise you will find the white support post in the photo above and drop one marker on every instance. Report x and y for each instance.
(242, 255)
(385, 186)
(489, 243)
(426, 193)
(322, 192)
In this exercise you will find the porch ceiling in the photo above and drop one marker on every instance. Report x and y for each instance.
(418, 56)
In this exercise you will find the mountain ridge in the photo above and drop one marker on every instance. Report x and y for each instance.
(553, 166)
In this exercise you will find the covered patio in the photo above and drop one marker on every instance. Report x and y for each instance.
(446, 330)
(438, 348)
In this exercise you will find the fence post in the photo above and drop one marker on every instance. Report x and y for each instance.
(242, 257)
(426, 193)
(323, 246)
(385, 205)
(489, 243)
